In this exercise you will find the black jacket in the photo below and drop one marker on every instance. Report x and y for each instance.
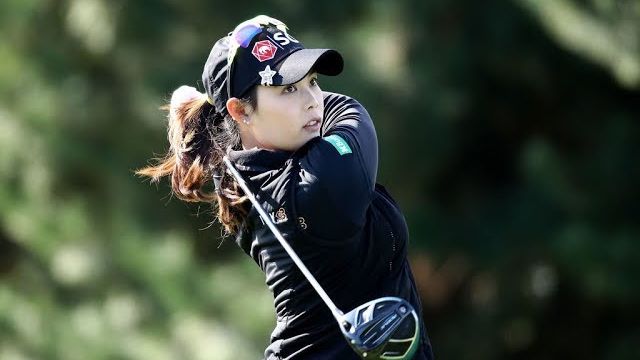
(347, 230)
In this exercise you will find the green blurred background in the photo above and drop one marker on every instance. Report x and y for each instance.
(509, 133)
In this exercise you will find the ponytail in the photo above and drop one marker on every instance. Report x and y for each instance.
(199, 137)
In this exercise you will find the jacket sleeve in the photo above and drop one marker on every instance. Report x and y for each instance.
(338, 171)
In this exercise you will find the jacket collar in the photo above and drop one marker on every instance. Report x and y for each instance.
(258, 160)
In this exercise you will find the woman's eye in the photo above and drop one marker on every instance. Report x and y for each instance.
(289, 88)
(314, 81)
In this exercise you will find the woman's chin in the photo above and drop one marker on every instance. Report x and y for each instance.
(306, 139)
(312, 135)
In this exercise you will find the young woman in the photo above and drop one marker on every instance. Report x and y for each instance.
(311, 159)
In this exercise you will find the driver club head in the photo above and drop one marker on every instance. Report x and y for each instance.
(384, 328)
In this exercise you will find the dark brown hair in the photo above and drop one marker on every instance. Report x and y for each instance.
(198, 140)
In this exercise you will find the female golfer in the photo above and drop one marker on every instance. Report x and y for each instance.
(310, 158)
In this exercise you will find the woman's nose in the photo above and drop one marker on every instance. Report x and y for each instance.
(312, 100)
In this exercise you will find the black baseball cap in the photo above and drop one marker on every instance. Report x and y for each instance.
(261, 51)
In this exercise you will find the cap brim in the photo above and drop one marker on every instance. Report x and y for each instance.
(297, 65)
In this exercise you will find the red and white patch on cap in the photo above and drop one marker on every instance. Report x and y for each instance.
(264, 50)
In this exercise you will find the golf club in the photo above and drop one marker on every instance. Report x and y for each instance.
(384, 328)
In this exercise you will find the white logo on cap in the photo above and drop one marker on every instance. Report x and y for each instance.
(267, 76)
(284, 38)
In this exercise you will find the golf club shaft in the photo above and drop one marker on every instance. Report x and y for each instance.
(327, 300)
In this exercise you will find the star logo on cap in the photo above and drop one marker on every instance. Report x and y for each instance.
(267, 76)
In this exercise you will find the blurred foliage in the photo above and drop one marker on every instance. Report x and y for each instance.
(508, 133)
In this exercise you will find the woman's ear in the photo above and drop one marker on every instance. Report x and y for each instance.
(238, 110)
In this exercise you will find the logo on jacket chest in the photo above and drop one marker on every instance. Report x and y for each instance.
(279, 216)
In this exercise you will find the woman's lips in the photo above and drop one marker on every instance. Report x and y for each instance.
(313, 125)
